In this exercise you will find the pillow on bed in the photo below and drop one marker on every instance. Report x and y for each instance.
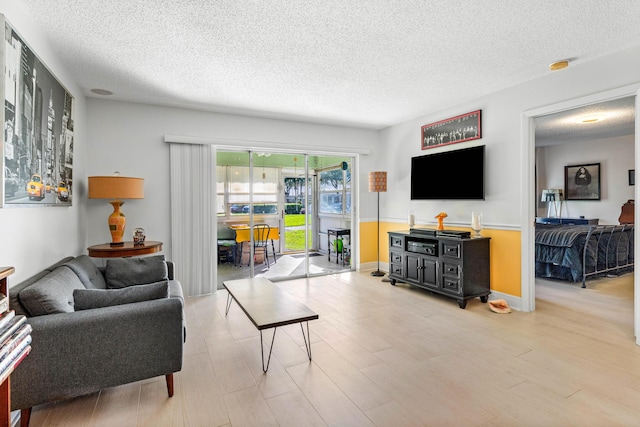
(86, 299)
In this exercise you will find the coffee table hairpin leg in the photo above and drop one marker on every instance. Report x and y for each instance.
(307, 340)
(229, 301)
(264, 369)
(307, 344)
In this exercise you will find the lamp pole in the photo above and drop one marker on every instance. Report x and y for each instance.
(378, 273)
(378, 183)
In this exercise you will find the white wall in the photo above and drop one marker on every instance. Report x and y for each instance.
(36, 237)
(501, 130)
(129, 138)
(616, 157)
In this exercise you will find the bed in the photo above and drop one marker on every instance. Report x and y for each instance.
(581, 252)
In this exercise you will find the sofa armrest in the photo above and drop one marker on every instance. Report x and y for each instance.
(85, 351)
(175, 290)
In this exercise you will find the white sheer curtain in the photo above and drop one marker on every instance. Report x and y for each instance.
(193, 197)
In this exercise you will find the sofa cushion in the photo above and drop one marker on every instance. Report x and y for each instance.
(52, 293)
(88, 272)
(85, 299)
(123, 272)
(14, 298)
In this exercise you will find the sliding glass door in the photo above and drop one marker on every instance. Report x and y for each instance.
(275, 211)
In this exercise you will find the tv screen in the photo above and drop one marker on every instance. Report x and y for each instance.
(449, 175)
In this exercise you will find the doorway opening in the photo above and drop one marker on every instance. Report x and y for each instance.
(578, 146)
(532, 189)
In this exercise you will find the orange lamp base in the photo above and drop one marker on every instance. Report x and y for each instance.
(117, 222)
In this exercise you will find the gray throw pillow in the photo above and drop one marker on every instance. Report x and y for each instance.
(88, 272)
(123, 272)
(86, 299)
(51, 294)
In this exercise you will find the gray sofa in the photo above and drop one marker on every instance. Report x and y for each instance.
(95, 328)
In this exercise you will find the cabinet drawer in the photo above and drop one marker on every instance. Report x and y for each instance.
(396, 257)
(451, 269)
(451, 285)
(396, 242)
(451, 249)
(395, 269)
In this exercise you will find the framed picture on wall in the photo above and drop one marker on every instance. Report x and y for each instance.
(37, 144)
(582, 182)
(465, 127)
(632, 177)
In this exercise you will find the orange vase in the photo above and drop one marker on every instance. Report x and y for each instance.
(117, 221)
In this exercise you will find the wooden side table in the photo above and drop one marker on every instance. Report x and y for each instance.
(127, 250)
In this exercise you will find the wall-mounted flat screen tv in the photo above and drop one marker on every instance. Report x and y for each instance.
(449, 175)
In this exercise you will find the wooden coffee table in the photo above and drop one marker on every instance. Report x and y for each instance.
(268, 306)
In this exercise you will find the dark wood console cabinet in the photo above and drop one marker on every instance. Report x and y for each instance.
(450, 266)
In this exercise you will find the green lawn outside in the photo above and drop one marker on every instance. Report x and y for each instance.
(293, 220)
(295, 238)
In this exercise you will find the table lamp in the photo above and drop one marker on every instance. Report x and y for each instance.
(116, 187)
(552, 196)
(378, 184)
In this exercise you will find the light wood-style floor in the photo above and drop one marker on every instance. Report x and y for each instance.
(394, 356)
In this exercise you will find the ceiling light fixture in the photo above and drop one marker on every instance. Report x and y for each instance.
(104, 92)
(559, 65)
(590, 119)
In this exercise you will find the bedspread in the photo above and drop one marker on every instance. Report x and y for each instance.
(560, 250)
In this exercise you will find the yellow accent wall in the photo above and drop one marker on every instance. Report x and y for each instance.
(505, 253)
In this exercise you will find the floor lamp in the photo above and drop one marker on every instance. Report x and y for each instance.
(378, 184)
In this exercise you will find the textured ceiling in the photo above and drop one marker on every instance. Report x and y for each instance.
(360, 63)
(616, 118)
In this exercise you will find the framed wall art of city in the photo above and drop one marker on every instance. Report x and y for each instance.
(582, 182)
(37, 148)
(465, 127)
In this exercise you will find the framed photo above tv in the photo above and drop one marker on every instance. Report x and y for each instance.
(465, 127)
(582, 182)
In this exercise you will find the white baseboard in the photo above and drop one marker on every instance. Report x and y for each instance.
(372, 266)
(514, 302)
